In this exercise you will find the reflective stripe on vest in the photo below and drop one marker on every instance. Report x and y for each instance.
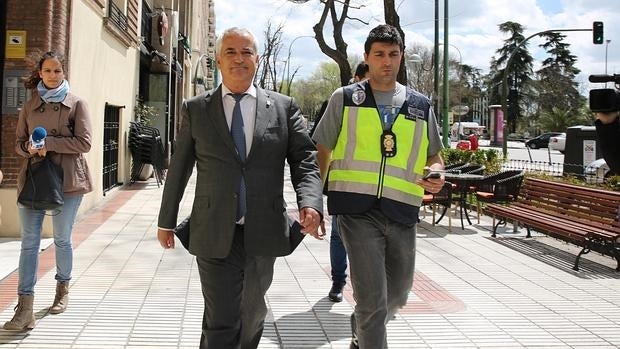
(357, 163)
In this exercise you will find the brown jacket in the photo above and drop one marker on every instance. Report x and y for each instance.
(69, 136)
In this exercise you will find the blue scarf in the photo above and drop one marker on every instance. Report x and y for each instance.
(55, 95)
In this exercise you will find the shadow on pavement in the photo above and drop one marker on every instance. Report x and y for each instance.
(302, 329)
(558, 258)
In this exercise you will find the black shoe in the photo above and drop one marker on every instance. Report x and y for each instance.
(335, 293)
(354, 343)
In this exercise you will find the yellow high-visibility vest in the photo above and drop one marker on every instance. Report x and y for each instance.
(359, 167)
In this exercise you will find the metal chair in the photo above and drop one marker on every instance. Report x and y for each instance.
(455, 166)
(441, 198)
(464, 187)
(471, 169)
(146, 147)
(500, 188)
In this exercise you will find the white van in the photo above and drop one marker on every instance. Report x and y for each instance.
(464, 129)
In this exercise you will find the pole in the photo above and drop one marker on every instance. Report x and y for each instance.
(435, 99)
(168, 133)
(606, 45)
(445, 129)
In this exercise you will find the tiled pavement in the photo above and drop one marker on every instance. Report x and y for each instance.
(470, 290)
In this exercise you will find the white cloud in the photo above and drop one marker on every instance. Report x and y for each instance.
(473, 27)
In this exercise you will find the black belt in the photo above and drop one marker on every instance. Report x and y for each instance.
(239, 227)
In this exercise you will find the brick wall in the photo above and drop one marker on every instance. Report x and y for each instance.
(47, 25)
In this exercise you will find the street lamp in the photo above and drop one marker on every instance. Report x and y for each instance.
(460, 110)
(416, 58)
(606, 45)
(288, 61)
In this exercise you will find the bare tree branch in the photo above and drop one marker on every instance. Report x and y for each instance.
(267, 74)
(338, 53)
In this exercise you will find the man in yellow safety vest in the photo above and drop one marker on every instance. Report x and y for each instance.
(376, 138)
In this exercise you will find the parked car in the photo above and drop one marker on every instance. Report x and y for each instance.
(558, 142)
(541, 141)
(596, 171)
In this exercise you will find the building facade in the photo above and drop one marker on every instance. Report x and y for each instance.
(118, 52)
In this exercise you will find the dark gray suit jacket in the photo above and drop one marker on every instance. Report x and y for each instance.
(204, 140)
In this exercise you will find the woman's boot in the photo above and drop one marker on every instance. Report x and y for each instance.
(62, 298)
(24, 315)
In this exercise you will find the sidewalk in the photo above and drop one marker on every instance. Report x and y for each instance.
(470, 290)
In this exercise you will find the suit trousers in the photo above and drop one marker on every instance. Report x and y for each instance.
(382, 259)
(234, 290)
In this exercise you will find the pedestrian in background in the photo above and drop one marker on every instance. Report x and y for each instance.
(375, 139)
(337, 252)
(66, 119)
(239, 137)
(473, 141)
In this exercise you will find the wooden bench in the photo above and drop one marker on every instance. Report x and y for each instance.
(583, 216)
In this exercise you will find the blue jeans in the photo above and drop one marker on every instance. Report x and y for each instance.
(337, 255)
(32, 225)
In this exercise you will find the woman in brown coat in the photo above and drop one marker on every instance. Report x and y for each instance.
(66, 120)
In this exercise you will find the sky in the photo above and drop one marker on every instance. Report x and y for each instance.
(473, 28)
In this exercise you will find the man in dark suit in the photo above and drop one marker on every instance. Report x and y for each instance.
(239, 223)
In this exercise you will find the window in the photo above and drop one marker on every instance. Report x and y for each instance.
(111, 121)
(122, 20)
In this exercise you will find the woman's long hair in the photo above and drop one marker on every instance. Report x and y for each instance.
(32, 80)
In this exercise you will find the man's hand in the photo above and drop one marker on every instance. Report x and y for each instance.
(432, 185)
(310, 220)
(165, 237)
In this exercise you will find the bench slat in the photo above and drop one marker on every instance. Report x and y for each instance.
(587, 217)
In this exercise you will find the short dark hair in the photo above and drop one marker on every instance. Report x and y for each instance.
(361, 70)
(384, 33)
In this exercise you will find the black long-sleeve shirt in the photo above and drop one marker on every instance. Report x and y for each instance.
(609, 138)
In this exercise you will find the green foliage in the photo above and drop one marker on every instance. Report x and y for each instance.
(490, 158)
(144, 113)
(558, 120)
(613, 183)
(310, 93)
(519, 72)
(556, 78)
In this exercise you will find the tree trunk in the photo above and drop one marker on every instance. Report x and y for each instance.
(392, 18)
(338, 54)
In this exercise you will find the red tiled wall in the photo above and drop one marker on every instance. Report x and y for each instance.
(46, 23)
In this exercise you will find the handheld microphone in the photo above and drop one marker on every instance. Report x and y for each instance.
(37, 138)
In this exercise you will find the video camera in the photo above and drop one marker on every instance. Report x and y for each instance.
(605, 100)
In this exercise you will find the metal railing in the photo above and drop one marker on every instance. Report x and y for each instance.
(556, 169)
(117, 16)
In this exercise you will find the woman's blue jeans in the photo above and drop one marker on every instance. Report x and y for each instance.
(32, 225)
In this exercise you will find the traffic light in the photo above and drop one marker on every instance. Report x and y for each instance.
(597, 33)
